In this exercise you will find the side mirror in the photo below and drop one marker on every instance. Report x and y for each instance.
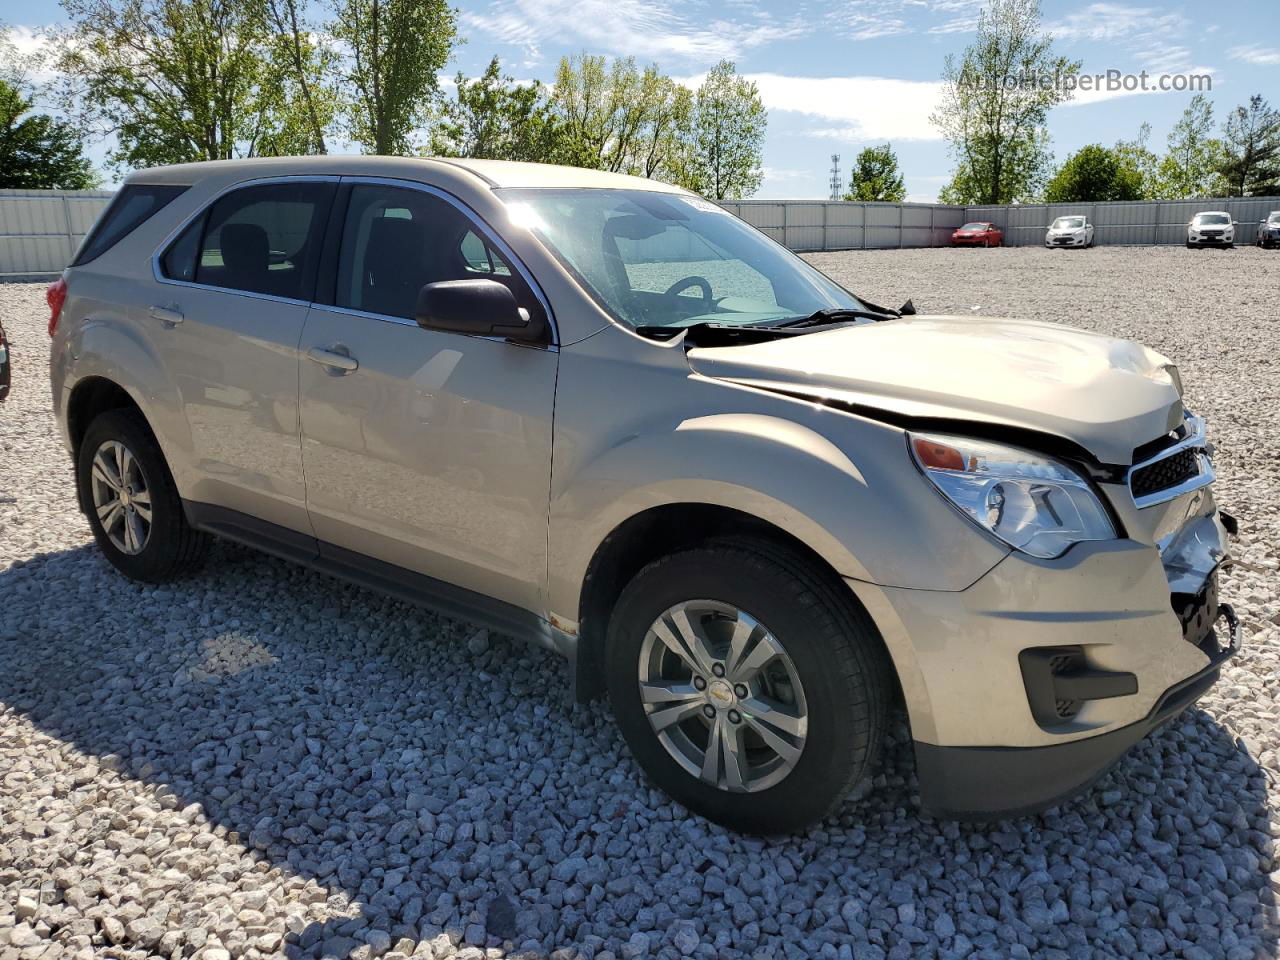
(483, 308)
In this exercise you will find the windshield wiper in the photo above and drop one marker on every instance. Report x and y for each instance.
(707, 334)
(833, 315)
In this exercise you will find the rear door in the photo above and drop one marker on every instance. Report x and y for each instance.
(232, 295)
(425, 449)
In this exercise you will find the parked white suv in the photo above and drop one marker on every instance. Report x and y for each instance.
(602, 414)
(1212, 228)
(1072, 231)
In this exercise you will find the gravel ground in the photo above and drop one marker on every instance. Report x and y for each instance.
(262, 760)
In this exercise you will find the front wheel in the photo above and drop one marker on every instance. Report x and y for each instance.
(746, 685)
(133, 507)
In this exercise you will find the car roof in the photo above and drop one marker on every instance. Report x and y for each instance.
(1205, 213)
(495, 173)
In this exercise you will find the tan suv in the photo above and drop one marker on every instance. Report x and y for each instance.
(602, 414)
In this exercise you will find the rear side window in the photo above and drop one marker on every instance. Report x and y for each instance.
(133, 205)
(264, 239)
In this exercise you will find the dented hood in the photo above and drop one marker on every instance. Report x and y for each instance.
(1107, 395)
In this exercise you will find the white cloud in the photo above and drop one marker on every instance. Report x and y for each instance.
(956, 25)
(641, 28)
(1116, 21)
(876, 109)
(856, 108)
(31, 44)
(860, 26)
(872, 19)
(1160, 57)
(1256, 54)
(776, 174)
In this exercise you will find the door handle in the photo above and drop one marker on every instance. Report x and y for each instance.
(330, 358)
(170, 315)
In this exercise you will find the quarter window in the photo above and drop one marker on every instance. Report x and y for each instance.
(133, 205)
(261, 239)
(396, 240)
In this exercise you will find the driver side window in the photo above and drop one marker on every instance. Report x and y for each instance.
(396, 240)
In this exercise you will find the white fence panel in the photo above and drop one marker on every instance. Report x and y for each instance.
(40, 230)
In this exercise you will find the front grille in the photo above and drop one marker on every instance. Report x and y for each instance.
(1210, 234)
(1163, 474)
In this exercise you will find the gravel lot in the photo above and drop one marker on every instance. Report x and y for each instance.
(263, 760)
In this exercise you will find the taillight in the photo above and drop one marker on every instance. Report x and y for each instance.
(56, 295)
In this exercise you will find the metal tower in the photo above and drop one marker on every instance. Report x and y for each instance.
(837, 187)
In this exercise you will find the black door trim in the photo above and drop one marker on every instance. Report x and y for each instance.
(417, 588)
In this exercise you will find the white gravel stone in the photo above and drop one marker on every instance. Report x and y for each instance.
(261, 760)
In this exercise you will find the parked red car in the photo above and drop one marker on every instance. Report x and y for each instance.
(980, 234)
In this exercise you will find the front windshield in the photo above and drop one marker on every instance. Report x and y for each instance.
(1068, 223)
(1212, 218)
(974, 226)
(662, 259)
(1274, 218)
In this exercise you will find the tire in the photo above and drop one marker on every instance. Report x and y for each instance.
(1190, 245)
(830, 648)
(170, 548)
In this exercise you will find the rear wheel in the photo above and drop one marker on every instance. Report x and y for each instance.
(746, 686)
(133, 507)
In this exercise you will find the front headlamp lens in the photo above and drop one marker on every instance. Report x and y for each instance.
(1037, 505)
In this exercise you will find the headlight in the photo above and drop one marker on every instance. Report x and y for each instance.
(1032, 503)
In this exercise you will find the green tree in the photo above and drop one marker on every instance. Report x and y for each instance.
(620, 118)
(727, 136)
(308, 82)
(494, 118)
(397, 49)
(1093, 173)
(601, 108)
(183, 80)
(1190, 168)
(995, 102)
(1142, 163)
(662, 145)
(1251, 136)
(875, 176)
(38, 151)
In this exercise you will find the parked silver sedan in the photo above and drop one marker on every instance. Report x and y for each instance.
(602, 414)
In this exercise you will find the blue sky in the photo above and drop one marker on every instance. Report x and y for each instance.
(838, 75)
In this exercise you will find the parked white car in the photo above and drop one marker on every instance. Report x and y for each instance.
(1069, 232)
(1212, 228)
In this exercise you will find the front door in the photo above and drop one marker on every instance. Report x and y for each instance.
(421, 448)
(229, 309)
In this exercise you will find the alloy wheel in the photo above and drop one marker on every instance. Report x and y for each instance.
(121, 497)
(722, 696)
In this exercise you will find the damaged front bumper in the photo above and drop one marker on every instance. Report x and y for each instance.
(1026, 687)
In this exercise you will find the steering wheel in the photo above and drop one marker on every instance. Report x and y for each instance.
(699, 282)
